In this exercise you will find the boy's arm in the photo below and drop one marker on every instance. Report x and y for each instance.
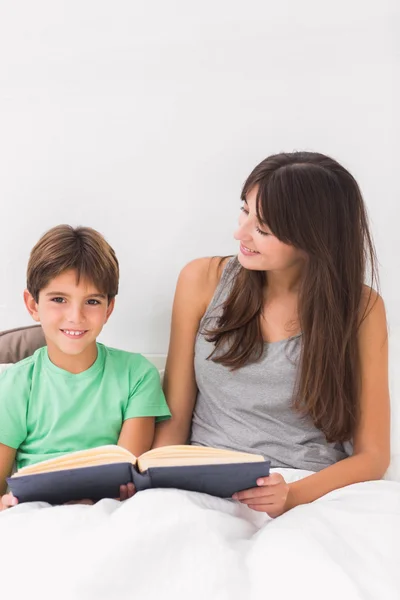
(146, 404)
(137, 434)
(7, 457)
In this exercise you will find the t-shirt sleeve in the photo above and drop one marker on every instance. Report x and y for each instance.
(147, 398)
(14, 396)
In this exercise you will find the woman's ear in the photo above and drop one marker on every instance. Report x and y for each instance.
(31, 306)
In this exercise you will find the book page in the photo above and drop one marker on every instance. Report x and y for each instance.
(185, 455)
(91, 457)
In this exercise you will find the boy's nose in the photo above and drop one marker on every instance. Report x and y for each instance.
(76, 315)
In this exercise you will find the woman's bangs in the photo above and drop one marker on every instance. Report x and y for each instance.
(271, 210)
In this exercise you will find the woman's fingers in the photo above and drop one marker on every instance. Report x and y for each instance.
(257, 492)
(270, 496)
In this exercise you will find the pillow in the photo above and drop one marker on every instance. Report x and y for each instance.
(19, 343)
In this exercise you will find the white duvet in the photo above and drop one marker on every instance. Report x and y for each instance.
(181, 545)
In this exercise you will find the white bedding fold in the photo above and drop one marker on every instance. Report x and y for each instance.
(183, 545)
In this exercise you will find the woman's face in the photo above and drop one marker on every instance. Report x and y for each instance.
(259, 249)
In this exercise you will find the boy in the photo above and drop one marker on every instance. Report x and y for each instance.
(74, 393)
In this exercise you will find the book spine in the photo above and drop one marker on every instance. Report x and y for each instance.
(141, 481)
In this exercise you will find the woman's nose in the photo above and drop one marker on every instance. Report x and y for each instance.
(242, 233)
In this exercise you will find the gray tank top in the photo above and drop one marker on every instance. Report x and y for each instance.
(250, 409)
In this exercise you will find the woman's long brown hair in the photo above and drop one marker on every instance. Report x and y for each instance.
(310, 201)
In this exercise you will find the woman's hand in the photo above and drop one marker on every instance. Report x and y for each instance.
(271, 495)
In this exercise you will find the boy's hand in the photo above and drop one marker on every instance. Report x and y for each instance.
(7, 501)
(84, 501)
(126, 491)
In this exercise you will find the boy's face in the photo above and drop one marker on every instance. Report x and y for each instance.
(72, 315)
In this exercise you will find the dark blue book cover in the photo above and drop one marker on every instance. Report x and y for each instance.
(103, 481)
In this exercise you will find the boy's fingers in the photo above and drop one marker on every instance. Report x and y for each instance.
(131, 490)
(123, 492)
(84, 501)
(126, 491)
(8, 500)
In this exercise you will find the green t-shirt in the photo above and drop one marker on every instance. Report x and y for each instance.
(46, 411)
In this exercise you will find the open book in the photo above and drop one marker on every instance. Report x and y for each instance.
(98, 473)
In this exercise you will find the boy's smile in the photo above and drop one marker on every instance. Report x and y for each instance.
(72, 315)
(73, 334)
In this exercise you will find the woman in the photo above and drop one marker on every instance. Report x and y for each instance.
(283, 349)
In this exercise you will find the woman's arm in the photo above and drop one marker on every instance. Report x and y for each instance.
(371, 442)
(195, 288)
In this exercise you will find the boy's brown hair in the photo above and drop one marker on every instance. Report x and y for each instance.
(83, 249)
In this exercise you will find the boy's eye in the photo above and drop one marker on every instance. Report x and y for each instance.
(58, 300)
(93, 301)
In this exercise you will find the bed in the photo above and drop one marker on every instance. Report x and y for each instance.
(180, 545)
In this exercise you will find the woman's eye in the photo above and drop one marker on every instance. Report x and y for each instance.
(243, 209)
(260, 231)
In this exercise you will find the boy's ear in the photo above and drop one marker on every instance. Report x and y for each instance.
(31, 305)
(110, 308)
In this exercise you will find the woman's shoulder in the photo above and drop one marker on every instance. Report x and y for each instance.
(198, 281)
(373, 324)
(208, 267)
(202, 275)
(371, 302)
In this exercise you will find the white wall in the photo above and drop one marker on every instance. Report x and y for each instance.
(142, 119)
